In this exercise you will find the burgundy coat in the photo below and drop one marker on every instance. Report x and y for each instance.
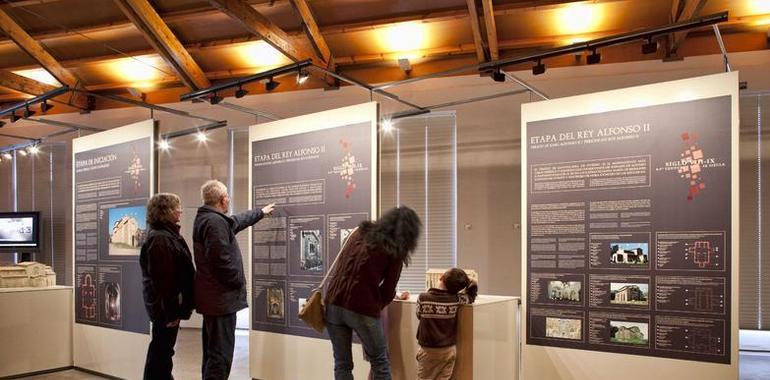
(364, 278)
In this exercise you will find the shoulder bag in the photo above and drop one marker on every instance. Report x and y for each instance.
(313, 311)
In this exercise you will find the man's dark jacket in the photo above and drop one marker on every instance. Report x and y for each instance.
(167, 274)
(220, 286)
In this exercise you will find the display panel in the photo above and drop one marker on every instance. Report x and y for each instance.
(320, 183)
(111, 186)
(629, 221)
(19, 230)
(320, 170)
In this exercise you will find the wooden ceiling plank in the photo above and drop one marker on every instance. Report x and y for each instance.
(473, 17)
(489, 21)
(42, 57)
(258, 24)
(163, 39)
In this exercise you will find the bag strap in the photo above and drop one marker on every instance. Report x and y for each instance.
(321, 286)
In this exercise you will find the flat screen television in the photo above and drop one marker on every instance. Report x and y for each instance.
(20, 230)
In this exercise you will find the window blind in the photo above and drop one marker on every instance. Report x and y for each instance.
(754, 299)
(419, 169)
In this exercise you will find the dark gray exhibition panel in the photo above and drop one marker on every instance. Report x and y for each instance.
(629, 231)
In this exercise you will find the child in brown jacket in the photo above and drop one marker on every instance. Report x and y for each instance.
(437, 333)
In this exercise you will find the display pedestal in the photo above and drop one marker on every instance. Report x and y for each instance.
(36, 329)
(487, 339)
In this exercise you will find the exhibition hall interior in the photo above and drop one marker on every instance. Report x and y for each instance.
(596, 169)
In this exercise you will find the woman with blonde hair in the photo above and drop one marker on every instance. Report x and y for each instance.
(167, 281)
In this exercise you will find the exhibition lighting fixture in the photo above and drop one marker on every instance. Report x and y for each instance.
(238, 83)
(44, 106)
(387, 126)
(2, 124)
(201, 136)
(302, 76)
(28, 112)
(214, 99)
(650, 46)
(7, 156)
(22, 152)
(164, 145)
(270, 85)
(498, 75)
(593, 58)
(405, 65)
(33, 149)
(240, 92)
(538, 68)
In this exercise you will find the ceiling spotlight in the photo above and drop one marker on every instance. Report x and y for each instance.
(270, 85)
(215, 99)
(22, 152)
(387, 126)
(7, 156)
(201, 136)
(28, 112)
(405, 65)
(650, 47)
(302, 76)
(538, 69)
(498, 75)
(14, 117)
(594, 58)
(164, 145)
(2, 124)
(240, 92)
(44, 106)
(33, 149)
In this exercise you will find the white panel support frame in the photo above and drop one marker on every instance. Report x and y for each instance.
(103, 350)
(279, 356)
(551, 363)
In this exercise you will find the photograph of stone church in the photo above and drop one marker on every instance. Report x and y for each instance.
(629, 294)
(127, 230)
(629, 332)
(564, 290)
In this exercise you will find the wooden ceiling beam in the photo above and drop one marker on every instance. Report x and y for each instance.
(489, 22)
(43, 57)
(314, 35)
(473, 17)
(258, 24)
(23, 84)
(163, 40)
(689, 9)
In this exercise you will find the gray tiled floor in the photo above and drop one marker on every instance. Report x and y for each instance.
(754, 365)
